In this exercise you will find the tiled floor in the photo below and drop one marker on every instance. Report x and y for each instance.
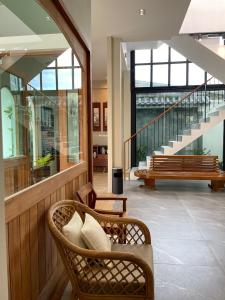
(187, 223)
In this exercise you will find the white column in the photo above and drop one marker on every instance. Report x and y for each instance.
(3, 255)
(115, 106)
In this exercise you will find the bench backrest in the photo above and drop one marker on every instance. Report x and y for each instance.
(185, 163)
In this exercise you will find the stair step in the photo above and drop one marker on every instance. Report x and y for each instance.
(158, 153)
(171, 143)
(203, 120)
(214, 113)
(164, 148)
(142, 165)
(187, 132)
(196, 126)
(222, 107)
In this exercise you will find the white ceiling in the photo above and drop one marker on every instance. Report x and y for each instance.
(204, 16)
(121, 19)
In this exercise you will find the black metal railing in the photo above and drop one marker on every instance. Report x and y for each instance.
(174, 121)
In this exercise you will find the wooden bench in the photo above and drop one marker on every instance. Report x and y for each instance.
(183, 167)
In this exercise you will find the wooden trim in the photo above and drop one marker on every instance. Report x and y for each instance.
(61, 16)
(105, 105)
(22, 201)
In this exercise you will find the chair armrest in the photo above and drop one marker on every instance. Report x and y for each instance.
(109, 212)
(115, 198)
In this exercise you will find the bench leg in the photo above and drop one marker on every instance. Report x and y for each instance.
(150, 183)
(216, 185)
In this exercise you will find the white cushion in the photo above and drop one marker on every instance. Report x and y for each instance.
(94, 236)
(72, 231)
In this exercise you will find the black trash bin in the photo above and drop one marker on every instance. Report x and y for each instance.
(117, 181)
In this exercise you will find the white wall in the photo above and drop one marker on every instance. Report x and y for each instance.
(213, 140)
(100, 94)
(80, 11)
(115, 105)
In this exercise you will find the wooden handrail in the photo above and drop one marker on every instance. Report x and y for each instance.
(166, 111)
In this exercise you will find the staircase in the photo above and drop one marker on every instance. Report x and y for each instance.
(197, 129)
(178, 126)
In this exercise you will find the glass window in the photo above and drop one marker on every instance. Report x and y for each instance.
(161, 54)
(176, 56)
(64, 79)
(75, 61)
(43, 128)
(196, 75)
(212, 80)
(35, 82)
(65, 59)
(178, 74)
(49, 79)
(52, 64)
(8, 123)
(77, 78)
(160, 75)
(142, 76)
(142, 56)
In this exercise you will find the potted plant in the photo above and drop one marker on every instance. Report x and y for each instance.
(42, 169)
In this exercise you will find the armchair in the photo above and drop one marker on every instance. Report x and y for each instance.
(88, 196)
(125, 273)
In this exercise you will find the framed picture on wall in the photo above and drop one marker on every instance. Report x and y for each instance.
(96, 116)
(105, 116)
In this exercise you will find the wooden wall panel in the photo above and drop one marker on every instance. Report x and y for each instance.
(17, 174)
(35, 267)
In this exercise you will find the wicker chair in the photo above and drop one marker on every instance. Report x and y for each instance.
(125, 273)
(87, 195)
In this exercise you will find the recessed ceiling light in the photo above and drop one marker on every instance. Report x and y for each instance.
(141, 11)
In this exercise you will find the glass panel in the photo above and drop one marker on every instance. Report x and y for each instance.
(178, 74)
(36, 82)
(161, 54)
(64, 79)
(142, 56)
(41, 120)
(52, 64)
(75, 61)
(196, 75)
(77, 78)
(73, 127)
(65, 59)
(49, 79)
(142, 76)
(176, 56)
(213, 80)
(160, 75)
